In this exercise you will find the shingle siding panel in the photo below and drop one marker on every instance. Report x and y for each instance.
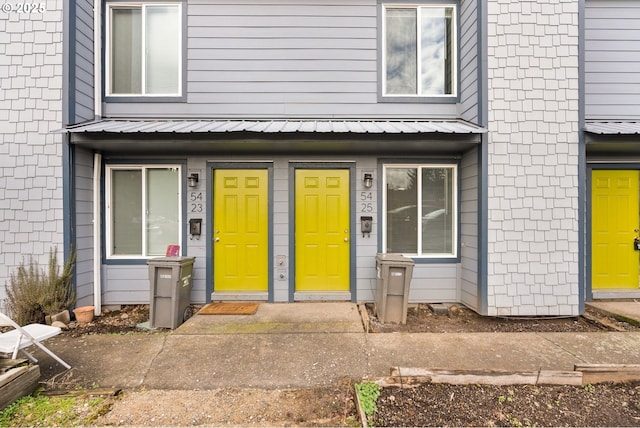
(30, 153)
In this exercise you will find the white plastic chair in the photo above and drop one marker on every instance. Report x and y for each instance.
(22, 337)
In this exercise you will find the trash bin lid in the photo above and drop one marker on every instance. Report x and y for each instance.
(393, 258)
(178, 260)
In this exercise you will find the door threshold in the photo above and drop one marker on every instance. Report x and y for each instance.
(300, 296)
(248, 296)
(616, 294)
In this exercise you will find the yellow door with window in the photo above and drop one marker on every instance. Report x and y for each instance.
(322, 246)
(240, 230)
(614, 203)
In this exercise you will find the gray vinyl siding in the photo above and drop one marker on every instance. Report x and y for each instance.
(469, 60)
(612, 59)
(84, 226)
(285, 58)
(125, 284)
(83, 96)
(469, 230)
(432, 282)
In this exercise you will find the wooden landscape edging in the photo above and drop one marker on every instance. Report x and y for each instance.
(412, 376)
(617, 373)
(582, 374)
(17, 381)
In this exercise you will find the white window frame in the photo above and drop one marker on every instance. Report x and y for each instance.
(454, 62)
(109, 214)
(454, 207)
(108, 68)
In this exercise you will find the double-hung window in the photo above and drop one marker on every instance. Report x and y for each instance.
(143, 210)
(144, 44)
(420, 205)
(419, 50)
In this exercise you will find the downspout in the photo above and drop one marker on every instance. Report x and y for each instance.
(97, 237)
(97, 158)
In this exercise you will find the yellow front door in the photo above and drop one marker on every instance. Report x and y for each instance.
(322, 230)
(614, 197)
(240, 230)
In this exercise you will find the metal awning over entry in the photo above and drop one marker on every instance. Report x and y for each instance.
(255, 137)
(612, 127)
(195, 126)
(612, 140)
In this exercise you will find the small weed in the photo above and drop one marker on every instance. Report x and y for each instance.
(590, 388)
(368, 392)
(508, 398)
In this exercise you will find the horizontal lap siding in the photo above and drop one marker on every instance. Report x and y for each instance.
(469, 230)
(84, 226)
(287, 58)
(469, 60)
(83, 97)
(434, 283)
(612, 59)
(282, 54)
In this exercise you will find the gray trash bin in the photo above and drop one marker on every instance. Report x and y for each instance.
(394, 273)
(170, 285)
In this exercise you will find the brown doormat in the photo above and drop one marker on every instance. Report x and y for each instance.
(229, 308)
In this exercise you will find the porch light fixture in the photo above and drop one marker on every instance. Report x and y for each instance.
(367, 180)
(192, 180)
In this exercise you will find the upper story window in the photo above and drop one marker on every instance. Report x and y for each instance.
(143, 210)
(419, 50)
(144, 49)
(420, 207)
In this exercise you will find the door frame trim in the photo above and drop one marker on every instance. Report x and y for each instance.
(351, 167)
(589, 293)
(210, 168)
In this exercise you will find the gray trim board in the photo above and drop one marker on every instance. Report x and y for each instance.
(351, 166)
(483, 161)
(103, 196)
(210, 168)
(586, 286)
(584, 179)
(453, 160)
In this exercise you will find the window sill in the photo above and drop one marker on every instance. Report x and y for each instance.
(145, 99)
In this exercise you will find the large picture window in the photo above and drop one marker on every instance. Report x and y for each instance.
(420, 204)
(419, 50)
(143, 210)
(144, 49)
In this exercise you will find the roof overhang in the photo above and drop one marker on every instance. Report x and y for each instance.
(197, 126)
(612, 139)
(612, 127)
(191, 136)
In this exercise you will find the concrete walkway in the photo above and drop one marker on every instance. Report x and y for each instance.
(303, 345)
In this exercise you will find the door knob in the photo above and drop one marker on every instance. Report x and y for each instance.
(217, 239)
(346, 239)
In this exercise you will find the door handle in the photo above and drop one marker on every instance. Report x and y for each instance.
(346, 239)
(217, 239)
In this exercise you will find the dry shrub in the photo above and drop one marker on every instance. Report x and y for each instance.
(33, 293)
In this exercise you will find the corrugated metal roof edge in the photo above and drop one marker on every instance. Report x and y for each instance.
(356, 126)
(612, 127)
